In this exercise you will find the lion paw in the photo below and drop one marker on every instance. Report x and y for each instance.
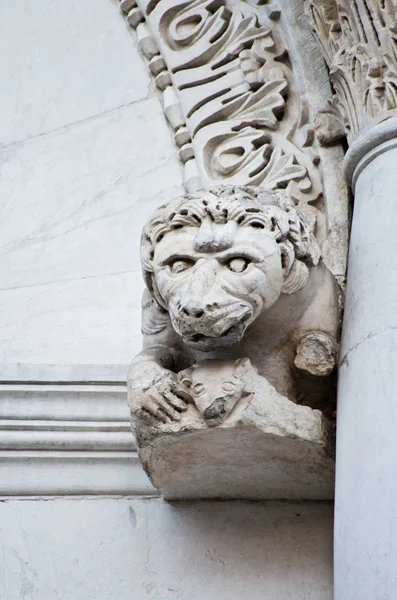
(316, 354)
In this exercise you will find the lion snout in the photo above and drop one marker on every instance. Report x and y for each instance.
(216, 317)
(215, 412)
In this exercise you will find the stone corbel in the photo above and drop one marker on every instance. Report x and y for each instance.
(241, 325)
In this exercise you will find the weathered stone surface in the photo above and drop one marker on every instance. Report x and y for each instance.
(240, 439)
(316, 354)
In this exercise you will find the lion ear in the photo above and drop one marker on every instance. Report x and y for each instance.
(154, 318)
(295, 271)
(287, 257)
(242, 365)
(156, 294)
(296, 278)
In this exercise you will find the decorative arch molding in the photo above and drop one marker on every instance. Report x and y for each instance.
(241, 108)
(227, 82)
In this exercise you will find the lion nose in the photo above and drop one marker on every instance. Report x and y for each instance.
(195, 313)
(196, 310)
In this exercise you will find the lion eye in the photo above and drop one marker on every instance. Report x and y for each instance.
(238, 265)
(179, 265)
(228, 387)
(198, 389)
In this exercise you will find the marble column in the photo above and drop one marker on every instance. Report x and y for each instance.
(358, 41)
(366, 471)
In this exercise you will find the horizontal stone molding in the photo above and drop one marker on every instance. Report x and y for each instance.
(52, 473)
(60, 438)
(46, 402)
(97, 374)
(29, 439)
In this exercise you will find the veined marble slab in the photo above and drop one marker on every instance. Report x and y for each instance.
(64, 63)
(75, 202)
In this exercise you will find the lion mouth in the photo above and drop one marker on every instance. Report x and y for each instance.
(224, 327)
(197, 337)
(230, 336)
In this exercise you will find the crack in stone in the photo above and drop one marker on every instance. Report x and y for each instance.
(73, 123)
(369, 336)
(67, 279)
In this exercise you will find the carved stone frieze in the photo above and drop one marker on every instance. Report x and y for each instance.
(226, 80)
(359, 43)
(241, 323)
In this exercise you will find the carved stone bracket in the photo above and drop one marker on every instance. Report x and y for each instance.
(238, 267)
(359, 43)
(239, 439)
(234, 274)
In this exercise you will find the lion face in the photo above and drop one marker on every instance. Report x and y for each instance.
(215, 280)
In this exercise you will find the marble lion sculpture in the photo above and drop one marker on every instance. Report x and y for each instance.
(233, 273)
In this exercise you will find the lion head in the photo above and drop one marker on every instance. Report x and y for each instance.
(218, 258)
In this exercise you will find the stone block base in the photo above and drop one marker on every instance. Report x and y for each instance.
(272, 449)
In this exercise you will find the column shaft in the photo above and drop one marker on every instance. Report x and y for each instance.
(366, 473)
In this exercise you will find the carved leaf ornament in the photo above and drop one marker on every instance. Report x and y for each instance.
(359, 43)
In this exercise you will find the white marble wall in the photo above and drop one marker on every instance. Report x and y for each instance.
(134, 549)
(85, 155)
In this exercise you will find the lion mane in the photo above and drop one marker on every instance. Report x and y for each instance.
(272, 211)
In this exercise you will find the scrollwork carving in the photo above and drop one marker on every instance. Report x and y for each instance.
(226, 79)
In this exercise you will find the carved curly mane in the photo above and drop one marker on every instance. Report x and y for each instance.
(247, 206)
